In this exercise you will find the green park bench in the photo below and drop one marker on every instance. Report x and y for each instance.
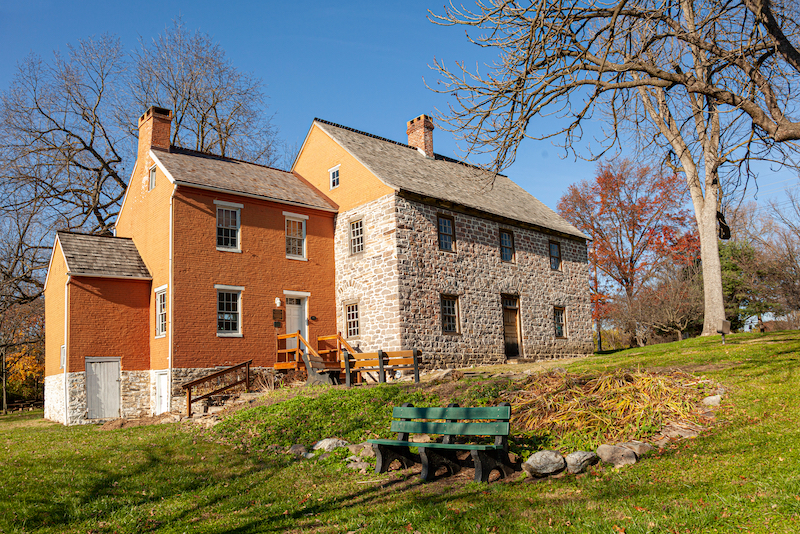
(456, 425)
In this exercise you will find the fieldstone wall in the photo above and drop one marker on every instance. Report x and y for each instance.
(135, 393)
(370, 278)
(476, 274)
(76, 405)
(54, 398)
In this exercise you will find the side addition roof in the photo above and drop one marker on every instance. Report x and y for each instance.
(102, 256)
(404, 168)
(206, 171)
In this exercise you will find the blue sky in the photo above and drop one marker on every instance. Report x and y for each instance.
(357, 63)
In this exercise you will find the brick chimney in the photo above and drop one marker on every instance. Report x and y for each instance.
(420, 134)
(154, 130)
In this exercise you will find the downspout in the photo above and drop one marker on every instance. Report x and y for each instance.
(66, 351)
(171, 293)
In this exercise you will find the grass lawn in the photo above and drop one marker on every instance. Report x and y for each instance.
(741, 475)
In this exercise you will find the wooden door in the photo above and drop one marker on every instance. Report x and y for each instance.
(511, 326)
(162, 392)
(102, 388)
(295, 319)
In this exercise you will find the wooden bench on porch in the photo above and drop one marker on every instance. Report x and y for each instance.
(380, 362)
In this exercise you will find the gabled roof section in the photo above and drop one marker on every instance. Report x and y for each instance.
(102, 256)
(404, 168)
(206, 171)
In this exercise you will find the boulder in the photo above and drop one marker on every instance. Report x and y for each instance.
(308, 455)
(619, 456)
(544, 463)
(679, 432)
(359, 466)
(713, 400)
(297, 450)
(639, 447)
(578, 461)
(330, 444)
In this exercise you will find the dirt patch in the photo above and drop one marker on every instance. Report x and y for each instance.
(129, 423)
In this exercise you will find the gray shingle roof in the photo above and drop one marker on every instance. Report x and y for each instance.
(95, 255)
(204, 170)
(404, 168)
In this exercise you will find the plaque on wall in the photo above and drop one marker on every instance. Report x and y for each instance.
(277, 315)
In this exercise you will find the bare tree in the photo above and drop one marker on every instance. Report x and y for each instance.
(217, 108)
(696, 81)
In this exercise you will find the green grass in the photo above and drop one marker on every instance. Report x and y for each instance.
(741, 475)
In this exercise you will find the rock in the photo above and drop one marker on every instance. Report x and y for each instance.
(712, 400)
(352, 458)
(298, 450)
(308, 455)
(330, 444)
(578, 461)
(660, 441)
(679, 432)
(421, 438)
(324, 455)
(367, 452)
(619, 456)
(513, 458)
(355, 448)
(710, 415)
(639, 447)
(544, 463)
(362, 466)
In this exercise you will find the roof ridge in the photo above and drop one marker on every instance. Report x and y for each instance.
(72, 232)
(192, 152)
(379, 138)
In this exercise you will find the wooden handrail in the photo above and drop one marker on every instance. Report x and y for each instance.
(189, 385)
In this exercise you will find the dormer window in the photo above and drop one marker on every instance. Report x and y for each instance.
(334, 177)
(152, 178)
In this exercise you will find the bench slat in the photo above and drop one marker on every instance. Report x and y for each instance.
(450, 446)
(499, 428)
(490, 412)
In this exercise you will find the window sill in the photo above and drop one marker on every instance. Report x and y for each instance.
(451, 333)
(447, 251)
(223, 249)
(298, 258)
(160, 336)
(229, 334)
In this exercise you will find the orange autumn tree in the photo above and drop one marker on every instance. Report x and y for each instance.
(637, 220)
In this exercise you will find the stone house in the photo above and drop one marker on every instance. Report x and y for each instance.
(205, 249)
(389, 243)
(439, 255)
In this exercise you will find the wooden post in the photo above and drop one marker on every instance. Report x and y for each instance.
(188, 402)
(381, 372)
(247, 378)
(346, 356)
(416, 365)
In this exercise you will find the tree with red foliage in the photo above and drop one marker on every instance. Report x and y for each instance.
(636, 219)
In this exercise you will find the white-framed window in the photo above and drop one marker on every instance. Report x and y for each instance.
(152, 178)
(356, 237)
(450, 321)
(333, 174)
(63, 357)
(295, 235)
(161, 312)
(229, 311)
(351, 320)
(228, 226)
(559, 321)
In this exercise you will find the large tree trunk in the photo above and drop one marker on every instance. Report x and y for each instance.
(712, 270)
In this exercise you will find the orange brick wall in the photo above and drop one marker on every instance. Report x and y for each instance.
(357, 185)
(261, 268)
(145, 218)
(54, 312)
(108, 317)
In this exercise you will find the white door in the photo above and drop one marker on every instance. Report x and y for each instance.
(296, 319)
(102, 388)
(162, 392)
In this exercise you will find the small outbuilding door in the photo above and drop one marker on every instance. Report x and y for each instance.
(102, 388)
(296, 319)
(511, 325)
(162, 392)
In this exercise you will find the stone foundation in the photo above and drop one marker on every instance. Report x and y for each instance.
(135, 394)
(54, 398)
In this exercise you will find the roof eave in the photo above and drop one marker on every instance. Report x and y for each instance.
(115, 276)
(251, 195)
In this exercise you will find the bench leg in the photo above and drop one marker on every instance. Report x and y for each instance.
(432, 460)
(385, 455)
(485, 463)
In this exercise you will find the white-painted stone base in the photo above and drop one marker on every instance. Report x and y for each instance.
(54, 398)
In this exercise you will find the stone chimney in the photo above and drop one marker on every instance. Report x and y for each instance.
(154, 130)
(420, 134)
